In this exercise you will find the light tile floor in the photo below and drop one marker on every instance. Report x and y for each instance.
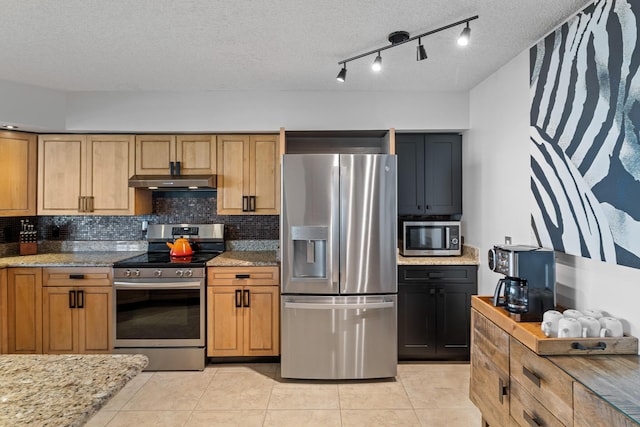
(422, 394)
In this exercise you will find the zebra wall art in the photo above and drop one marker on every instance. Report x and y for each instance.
(585, 130)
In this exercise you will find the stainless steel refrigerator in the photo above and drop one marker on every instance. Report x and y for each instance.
(338, 238)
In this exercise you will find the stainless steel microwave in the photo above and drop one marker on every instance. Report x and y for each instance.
(430, 238)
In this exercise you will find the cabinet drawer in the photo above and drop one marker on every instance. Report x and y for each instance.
(243, 276)
(592, 411)
(76, 276)
(545, 381)
(436, 273)
(527, 411)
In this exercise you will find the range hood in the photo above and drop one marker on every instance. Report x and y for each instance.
(173, 181)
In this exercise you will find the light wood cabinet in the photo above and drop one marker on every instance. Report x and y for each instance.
(18, 168)
(88, 174)
(176, 154)
(77, 310)
(24, 310)
(243, 311)
(248, 174)
(3, 312)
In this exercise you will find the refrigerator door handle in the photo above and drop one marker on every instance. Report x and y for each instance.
(335, 227)
(331, 306)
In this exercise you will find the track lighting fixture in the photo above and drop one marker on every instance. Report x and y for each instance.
(377, 63)
(465, 35)
(342, 75)
(421, 53)
(401, 37)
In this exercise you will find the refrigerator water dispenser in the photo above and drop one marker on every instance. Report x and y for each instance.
(309, 251)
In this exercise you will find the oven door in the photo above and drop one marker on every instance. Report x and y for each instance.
(159, 313)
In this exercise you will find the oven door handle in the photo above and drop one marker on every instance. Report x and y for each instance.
(158, 285)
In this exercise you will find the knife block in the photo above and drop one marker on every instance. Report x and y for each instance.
(30, 248)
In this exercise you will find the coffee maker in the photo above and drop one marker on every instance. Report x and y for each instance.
(528, 288)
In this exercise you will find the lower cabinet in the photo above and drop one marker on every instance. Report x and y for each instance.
(434, 309)
(243, 311)
(77, 310)
(24, 310)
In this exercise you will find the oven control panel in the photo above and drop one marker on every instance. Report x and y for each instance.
(158, 273)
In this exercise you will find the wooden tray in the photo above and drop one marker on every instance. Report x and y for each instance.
(530, 334)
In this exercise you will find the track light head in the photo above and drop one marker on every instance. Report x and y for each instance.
(465, 35)
(377, 63)
(342, 75)
(421, 53)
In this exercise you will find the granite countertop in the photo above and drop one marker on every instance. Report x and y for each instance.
(469, 256)
(245, 258)
(68, 259)
(61, 390)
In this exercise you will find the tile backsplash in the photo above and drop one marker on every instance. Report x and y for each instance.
(172, 207)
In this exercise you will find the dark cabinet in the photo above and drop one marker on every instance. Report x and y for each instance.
(434, 311)
(429, 174)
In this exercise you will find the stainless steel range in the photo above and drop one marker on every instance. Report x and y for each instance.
(159, 299)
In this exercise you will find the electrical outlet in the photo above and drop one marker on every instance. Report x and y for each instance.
(145, 225)
(507, 240)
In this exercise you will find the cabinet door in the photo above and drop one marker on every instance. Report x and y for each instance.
(60, 316)
(110, 163)
(264, 172)
(4, 332)
(224, 321)
(24, 301)
(154, 153)
(454, 320)
(61, 173)
(489, 382)
(196, 154)
(233, 174)
(416, 321)
(261, 305)
(410, 157)
(18, 170)
(443, 174)
(94, 319)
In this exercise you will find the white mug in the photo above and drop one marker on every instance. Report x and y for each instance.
(611, 327)
(572, 313)
(590, 326)
(549, 323)
(568, 327)
(593, 313)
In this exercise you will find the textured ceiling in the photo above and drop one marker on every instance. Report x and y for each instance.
(202, 45)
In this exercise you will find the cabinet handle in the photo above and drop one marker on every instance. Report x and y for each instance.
(72, 299)
(171, 168)
(436, 274)
(600, 346)
(532, 376)
(76, 276)
(238, 298)
(247, 299)
(245, 203)
(432, 291)
(243, 276)
(82, 204)
(502, 390)
(252, 203)
(441, 292)
(177, 168)
(80, 299)
(530, 420)
(89, 204)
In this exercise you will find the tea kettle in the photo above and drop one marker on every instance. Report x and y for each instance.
(180, 247)
(516, 295)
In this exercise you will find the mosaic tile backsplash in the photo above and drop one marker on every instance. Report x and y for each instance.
(172, 207)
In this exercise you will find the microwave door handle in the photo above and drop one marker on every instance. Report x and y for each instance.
(447, 237)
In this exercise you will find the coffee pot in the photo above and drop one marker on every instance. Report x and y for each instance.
(516, 295)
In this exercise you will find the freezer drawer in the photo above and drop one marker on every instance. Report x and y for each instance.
(341, 337)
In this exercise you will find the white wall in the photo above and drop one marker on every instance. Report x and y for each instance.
(31, 108)
(264, 111)
(497, 198)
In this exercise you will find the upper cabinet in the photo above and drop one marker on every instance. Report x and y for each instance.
(175, 155)
(429, 174)
(18, 167)
(88, 174)
(248, 174)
